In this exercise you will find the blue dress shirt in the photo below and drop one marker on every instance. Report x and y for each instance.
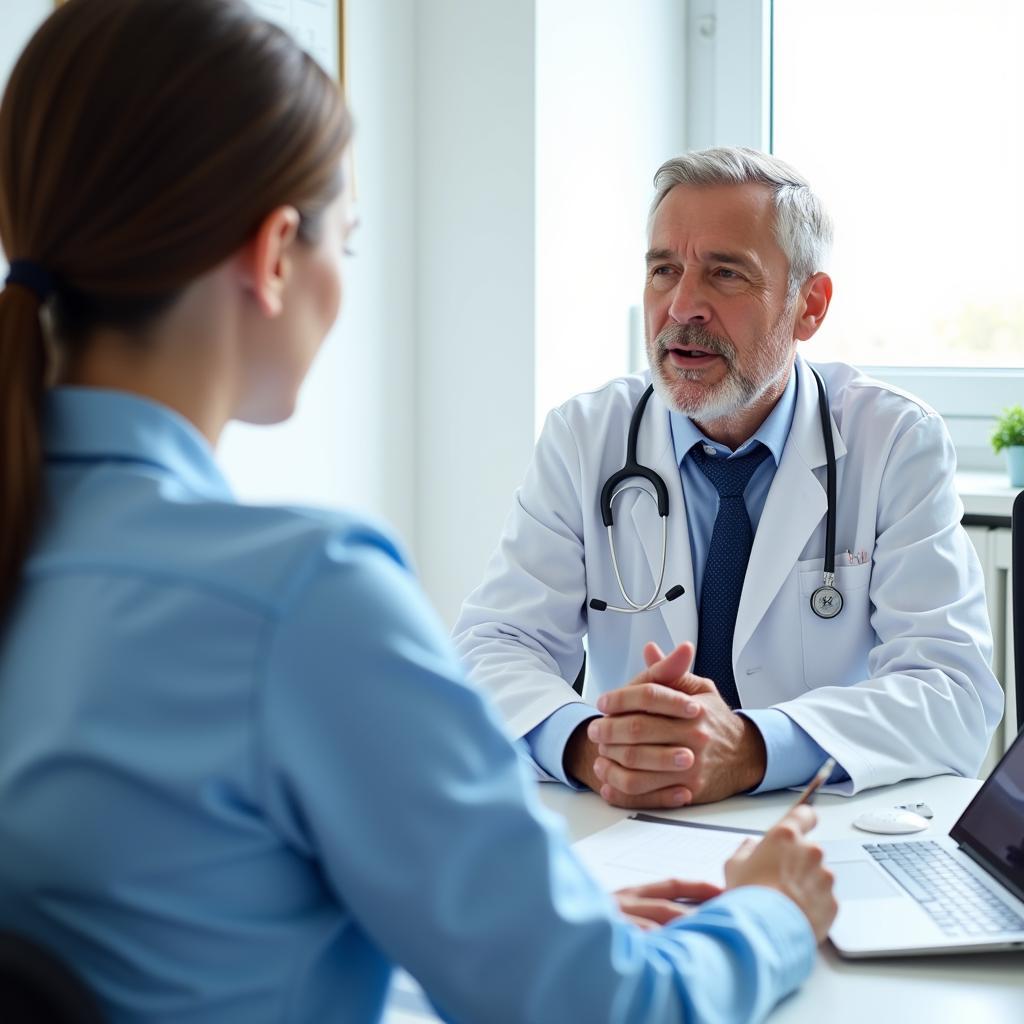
(792, 756)
(242, 775)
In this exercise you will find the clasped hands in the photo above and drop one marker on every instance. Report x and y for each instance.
(667, 739)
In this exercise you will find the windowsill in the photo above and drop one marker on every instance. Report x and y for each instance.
(986, 494)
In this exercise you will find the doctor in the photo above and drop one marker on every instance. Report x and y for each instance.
(854, 627)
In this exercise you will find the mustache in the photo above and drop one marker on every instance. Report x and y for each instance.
(693, 336)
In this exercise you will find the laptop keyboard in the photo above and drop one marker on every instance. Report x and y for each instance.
(954, 899)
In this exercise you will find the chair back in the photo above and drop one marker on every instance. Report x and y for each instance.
(38, 988)
(1017, 597)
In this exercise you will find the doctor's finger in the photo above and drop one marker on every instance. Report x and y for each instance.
(652, 654)
(692, 684)
(669, 666)
(634, 782)
(650, 757)
(641, 728)
(652, 698)
(661, 799)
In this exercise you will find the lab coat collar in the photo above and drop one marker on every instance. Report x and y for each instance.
(805, 433)
(98, 425)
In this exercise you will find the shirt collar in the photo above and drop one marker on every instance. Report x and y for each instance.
(772, 433)
(98, 425)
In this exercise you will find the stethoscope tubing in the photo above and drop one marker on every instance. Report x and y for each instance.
(830, 481)
(826, 601)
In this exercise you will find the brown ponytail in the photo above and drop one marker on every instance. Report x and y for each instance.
(21, 381)
(141, 143)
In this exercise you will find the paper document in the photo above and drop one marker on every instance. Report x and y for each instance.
(646, 848)
(407, 1003)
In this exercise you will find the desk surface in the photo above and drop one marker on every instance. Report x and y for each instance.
(975, 988)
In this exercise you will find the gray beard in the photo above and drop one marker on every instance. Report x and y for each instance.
(733, 394)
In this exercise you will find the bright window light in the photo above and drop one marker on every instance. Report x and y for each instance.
(908, 118)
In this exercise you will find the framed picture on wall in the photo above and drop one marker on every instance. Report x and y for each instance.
(318, 27)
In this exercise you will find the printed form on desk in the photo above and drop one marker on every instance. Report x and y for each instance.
(645, 848)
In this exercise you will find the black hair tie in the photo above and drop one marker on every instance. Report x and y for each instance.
(31, 275)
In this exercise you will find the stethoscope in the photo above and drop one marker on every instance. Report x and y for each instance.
(826, 601)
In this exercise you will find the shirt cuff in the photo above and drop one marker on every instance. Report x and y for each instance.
(793, 757)
(775, 931)
(548, 740)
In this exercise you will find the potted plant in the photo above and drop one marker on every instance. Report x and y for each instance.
(1009, 437)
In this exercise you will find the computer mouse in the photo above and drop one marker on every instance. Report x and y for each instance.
(890, 821)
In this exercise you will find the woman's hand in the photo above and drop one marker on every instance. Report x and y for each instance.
(655, 904)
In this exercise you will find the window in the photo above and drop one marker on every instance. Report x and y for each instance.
(913, 130)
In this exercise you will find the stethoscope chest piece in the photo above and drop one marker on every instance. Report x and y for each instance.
(826, 602)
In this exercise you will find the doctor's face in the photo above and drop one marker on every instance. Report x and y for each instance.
(719, 328)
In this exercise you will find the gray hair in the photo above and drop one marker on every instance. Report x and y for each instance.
(803, 227)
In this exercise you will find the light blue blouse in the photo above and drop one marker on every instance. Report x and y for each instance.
(241, 775)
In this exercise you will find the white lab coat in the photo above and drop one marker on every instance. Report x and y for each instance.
(897, 686)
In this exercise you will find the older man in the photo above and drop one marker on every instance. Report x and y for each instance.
(852, 626)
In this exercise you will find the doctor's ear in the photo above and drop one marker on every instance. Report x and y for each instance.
(265, 263)
(811, 306)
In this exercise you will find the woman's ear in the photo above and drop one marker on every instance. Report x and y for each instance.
(264, 262)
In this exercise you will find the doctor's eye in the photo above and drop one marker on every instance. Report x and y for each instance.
(662, 276)
(726, 274)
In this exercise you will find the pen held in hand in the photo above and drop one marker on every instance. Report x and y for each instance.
(811, 790)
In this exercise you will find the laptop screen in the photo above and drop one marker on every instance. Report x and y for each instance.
(992, 827)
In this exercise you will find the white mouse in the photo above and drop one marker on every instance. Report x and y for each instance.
(890, 821)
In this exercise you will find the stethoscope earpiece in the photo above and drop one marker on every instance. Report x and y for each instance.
(670, 595)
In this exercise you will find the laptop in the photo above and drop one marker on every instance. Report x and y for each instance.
(960, 893)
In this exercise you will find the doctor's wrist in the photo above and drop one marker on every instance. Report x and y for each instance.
(753, 756)
(580, 754)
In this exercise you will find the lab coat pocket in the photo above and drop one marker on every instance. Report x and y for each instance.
(835, 651)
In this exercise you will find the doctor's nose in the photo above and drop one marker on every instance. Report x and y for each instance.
(688, 304)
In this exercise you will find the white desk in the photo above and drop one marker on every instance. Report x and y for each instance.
(963, 989)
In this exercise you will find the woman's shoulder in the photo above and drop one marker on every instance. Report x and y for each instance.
(252, 555)
(273, 552)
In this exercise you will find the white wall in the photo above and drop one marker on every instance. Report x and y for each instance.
(611, 88)
(18, 20)
(475, 273)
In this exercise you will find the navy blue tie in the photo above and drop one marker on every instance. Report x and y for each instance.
(728, 554)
